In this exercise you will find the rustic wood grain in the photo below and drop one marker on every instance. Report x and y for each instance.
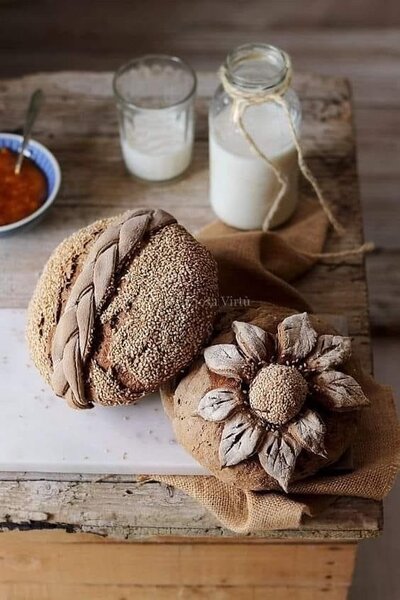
(31, 591)
(80, 560)
(133, 23)
(132, 510)
(79, 125)
(369, 56)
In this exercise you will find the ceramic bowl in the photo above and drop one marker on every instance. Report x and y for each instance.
(48, 164)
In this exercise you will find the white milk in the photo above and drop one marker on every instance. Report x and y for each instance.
(242, 185)
(156, 146)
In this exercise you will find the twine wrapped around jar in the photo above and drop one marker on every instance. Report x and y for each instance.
(242, 98)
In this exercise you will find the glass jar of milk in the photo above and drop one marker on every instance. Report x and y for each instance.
(155, 101)
(243, 186)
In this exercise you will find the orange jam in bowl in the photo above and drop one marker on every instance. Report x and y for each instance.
(22, 194)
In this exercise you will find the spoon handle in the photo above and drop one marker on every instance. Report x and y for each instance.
(31, 114)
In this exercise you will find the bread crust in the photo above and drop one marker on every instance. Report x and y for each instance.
(160, 312)
(201, 438)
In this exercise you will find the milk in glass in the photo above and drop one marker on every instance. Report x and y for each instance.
(157, 146)
(154, 96)
(243, 186)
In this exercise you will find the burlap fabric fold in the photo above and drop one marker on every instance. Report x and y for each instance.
(259, 266)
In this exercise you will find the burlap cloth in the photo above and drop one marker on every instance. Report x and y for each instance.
(258, 266)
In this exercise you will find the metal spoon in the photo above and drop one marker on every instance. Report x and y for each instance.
(33, 110)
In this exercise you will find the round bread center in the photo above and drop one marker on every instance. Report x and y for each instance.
(277, 393)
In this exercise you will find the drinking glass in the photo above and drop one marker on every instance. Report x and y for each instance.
(155, 102)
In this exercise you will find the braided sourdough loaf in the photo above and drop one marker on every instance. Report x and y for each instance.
(122, 306)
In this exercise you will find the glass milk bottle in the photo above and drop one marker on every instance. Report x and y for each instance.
(243, 186)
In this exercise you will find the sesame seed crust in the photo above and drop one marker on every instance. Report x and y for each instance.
(277, 393)
(201, 438)
(160, 313)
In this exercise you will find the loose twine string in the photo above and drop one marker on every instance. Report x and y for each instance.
(241, 100)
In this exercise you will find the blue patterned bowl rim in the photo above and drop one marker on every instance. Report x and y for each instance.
(48, 164)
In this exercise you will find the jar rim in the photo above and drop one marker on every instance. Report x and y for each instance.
(256, 52)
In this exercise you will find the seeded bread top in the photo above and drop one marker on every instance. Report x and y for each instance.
(184, 397)
(159, 314)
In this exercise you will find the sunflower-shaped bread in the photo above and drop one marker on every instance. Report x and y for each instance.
(279, 386)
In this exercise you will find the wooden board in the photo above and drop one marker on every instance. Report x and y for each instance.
(79, 125)
(83, 567)
(168, 564)
(31, 591)
(124, 507)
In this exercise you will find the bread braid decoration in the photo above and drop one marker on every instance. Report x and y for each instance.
(106, 260)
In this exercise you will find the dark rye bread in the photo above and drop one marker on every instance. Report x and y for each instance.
(201, 438)
(159, 314)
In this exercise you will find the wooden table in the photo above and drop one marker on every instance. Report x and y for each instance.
(152, 541)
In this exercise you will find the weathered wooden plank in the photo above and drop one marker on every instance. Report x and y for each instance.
(33, 591)
(132, 510)
(135, 23)
(384, 291)
(381, 204)
(28, 557)
(378, 135)
(204, 36)
(386, 362)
